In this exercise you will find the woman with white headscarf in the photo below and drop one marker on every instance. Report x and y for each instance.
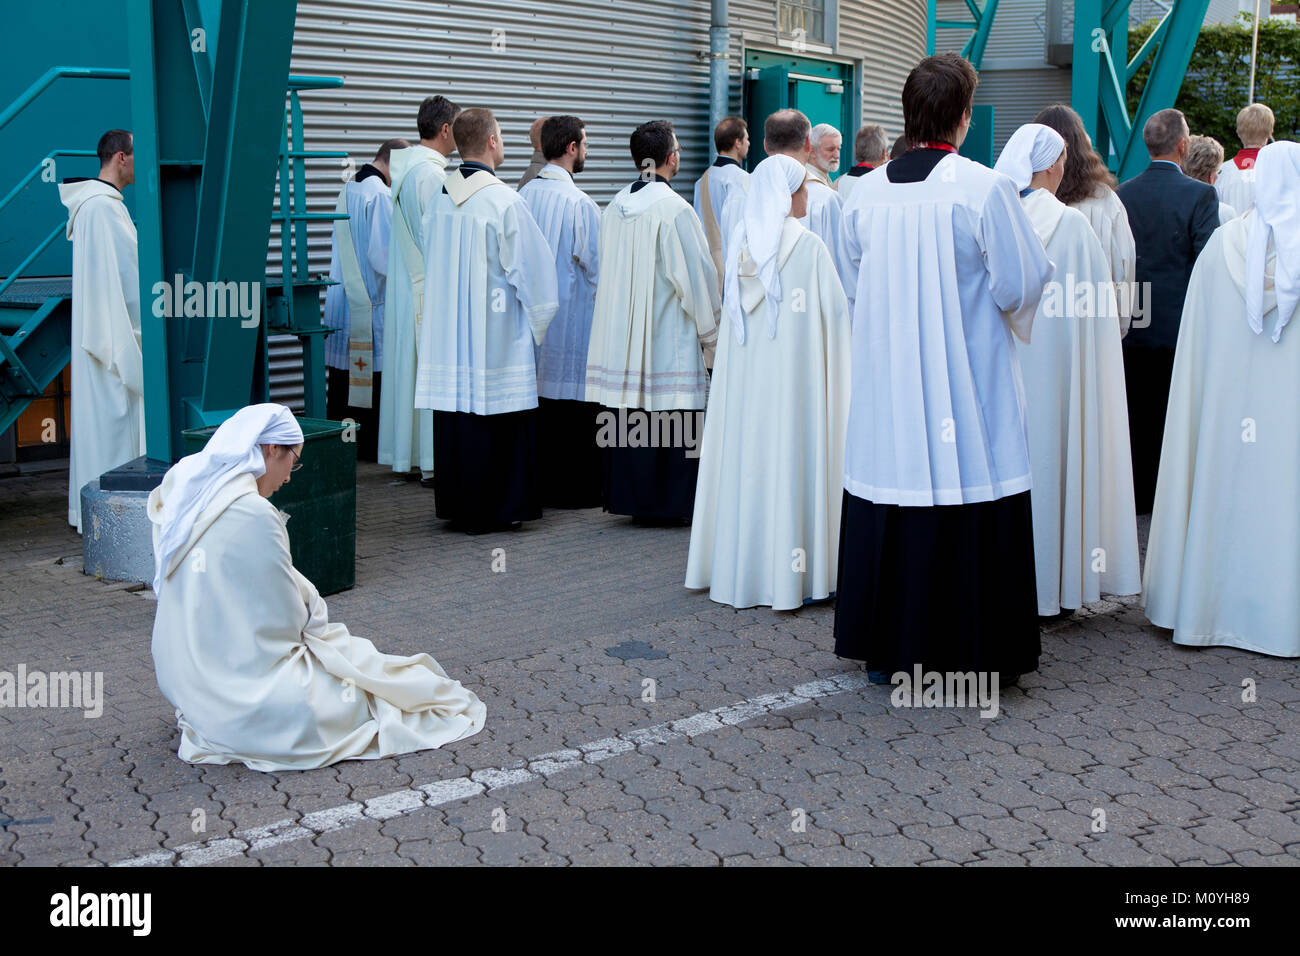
(242, 643)
(1085, 525)
(766, 523)
(1223, 557)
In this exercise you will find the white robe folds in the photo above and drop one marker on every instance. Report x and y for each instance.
(825, 220)
(405, 434)
(657, 305)
(1109, 221)
(489, 296)
(244, 649)
(723, 182)
(107, 363)
(1226, 213)
(937, 416)
(570, 221)
(1222, 560)
(1236, 186)
(767, 505)
(370, 219)
(1085, 525)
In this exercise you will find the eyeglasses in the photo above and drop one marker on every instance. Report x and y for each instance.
(297, 460)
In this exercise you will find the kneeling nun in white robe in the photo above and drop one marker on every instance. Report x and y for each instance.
(1223, 558)
(1085, 525)
(107, 365)
(242, 643)
(767, 506)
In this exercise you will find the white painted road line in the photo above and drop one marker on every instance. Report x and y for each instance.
(440, 792)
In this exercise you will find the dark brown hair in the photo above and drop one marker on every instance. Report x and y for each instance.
(939, 91)
(558, 132)
(652, 141)
(113, 142)
(728, 133)
(1085, 173)
(434, 112)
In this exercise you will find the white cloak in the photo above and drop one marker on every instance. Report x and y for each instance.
(244, 649)
(950, 266)
(657, 304)
(370, 219)
(570, 221)
(825, 220)
(1085, 523)
(1109, 220)
(107, 364)
(1222, 560)
(767, 504)
(1236, 187)
(405, 434)
(489, 296)
(1226, 213)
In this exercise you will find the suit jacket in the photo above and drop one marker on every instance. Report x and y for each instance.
(1172, 217)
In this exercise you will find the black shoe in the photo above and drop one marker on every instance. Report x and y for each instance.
(426, 482)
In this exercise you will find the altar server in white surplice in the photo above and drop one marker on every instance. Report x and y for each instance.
(767, 507)
(1236, 180)
(1085, 526)
(726, 176)
(1222, 560)
(359, 264)
(652, 337)
(936, 473)
(243, 646)
(405, 433)
(489, 298)
(1089, 187)
(825, 214)
(568, 457)
(107, 363)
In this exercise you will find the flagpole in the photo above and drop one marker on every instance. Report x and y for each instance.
(1254, 53)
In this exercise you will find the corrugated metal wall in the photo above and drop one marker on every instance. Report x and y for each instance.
(614, 65)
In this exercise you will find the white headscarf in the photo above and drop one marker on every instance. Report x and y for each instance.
(230, 452)
(1031, 149)
(1277, 213)
(767, 204)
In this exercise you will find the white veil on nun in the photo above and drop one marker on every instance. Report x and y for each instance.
(757, 237)
(1276, 214)
(1031, 149)
(233, 450)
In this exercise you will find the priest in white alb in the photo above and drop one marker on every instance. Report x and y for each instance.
(1088, 186)
(825, 214)
(243, 646)
(1222, 560)
(569, 460)
(406, 433)
(652, 338)
(936, 541)
(767, 506)
(785, 133)
(107, 363)
(724, 177)
(489, 298)
(1085, 525)
(359, 266)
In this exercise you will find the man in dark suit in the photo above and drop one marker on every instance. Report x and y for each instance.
(1172, 217)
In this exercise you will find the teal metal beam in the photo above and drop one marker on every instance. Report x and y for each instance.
(47, 79)
(981, 24)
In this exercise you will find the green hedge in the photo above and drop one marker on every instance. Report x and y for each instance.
(1218, 77)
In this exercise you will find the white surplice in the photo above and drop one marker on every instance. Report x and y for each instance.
(767, 505)
(657, 304)
(243, 648)
(1109, 220)
(107, 363)
(1226, 213)
(1085, 525)
(370, 217)
(724, 179)
(406, 434)
(937, 416)
(489, 296)
(570, 221)
(825, 220)
(1222, 560)
(1236, 186)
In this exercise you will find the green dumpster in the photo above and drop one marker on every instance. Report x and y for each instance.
(320, 499)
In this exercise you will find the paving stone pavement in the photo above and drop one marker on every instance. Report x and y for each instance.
(595, 665)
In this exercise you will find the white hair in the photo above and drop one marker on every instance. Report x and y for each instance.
(819, 133)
